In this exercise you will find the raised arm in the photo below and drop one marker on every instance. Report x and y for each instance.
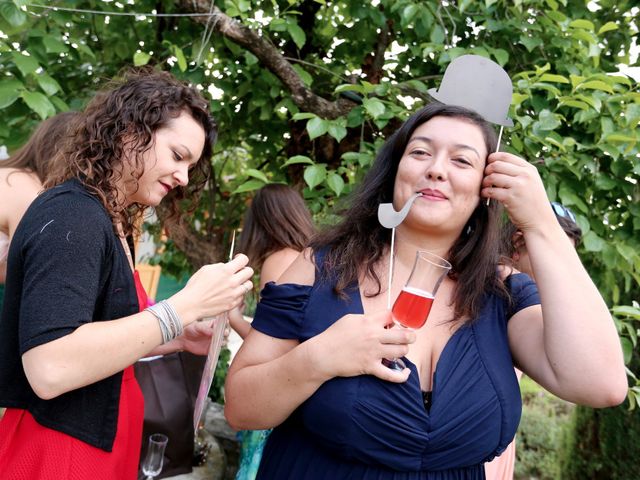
(270, 377)
(569, 344)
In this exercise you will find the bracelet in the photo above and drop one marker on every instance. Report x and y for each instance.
(170, 323)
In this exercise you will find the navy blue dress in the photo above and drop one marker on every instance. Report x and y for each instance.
(366, 428)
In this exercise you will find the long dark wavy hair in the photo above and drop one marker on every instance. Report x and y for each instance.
(120, 123)
(277, 218)
(37, 154)
(356, 245)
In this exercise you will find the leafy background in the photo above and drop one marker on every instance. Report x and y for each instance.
(305, 91)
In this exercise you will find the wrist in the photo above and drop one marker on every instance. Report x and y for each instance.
(171, 325)
(315, 360)
(177, 344)
(549, 233)
(185, 311)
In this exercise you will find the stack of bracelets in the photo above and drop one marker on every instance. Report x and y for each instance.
(170, 323)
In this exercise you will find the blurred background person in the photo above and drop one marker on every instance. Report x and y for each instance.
(277, 226)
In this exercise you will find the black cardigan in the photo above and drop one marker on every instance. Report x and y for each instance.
(66, 267)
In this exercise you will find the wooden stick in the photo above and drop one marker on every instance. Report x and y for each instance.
(393, 237)
(497, 150)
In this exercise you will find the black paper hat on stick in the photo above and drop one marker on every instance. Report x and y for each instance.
(472, 82)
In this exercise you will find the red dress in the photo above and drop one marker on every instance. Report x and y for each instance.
(29, 451)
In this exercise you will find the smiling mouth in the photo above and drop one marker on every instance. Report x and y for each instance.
(166, 187)
(432, 194)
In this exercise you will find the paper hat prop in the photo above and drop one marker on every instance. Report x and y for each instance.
(479, 84)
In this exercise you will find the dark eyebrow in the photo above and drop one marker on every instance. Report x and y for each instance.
(189, 154)
(457, 145)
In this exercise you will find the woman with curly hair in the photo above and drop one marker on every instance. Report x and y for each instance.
(73, 321)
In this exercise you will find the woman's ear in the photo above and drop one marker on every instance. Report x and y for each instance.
(517, 239)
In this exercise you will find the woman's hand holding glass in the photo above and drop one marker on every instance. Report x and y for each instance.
(356, 344)
(411, 308)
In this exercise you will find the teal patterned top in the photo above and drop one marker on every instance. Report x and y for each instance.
(251, 446)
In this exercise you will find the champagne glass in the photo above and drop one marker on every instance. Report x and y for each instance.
(152, 464)
(411, 308)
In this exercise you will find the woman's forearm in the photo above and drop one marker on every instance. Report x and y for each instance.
(92, 352)
(263, 395)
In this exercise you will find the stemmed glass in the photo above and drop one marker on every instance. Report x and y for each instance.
(411, 308)
(152, 464)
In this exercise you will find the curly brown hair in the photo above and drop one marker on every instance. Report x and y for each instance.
(120, 122)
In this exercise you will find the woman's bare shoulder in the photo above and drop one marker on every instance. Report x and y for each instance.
(301, 270)
(17, 190)
(286, 256)
(15, 177)
(505, 271)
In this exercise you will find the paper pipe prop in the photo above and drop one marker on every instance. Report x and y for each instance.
(217, 339)
(389, 218)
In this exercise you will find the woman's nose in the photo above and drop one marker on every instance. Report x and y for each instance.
(436, 168)
(182, 175)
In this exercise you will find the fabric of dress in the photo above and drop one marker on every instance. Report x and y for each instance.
(366, 428)
(30, 451)
(252, 444)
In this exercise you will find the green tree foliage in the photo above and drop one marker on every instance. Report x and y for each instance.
(601, 445)
(305, 91)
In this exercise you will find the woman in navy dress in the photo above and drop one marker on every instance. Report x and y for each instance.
(312, 365)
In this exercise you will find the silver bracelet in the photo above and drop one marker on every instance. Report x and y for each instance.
(175, 322)
(170, 323)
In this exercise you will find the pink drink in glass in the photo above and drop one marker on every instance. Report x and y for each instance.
(412, 307)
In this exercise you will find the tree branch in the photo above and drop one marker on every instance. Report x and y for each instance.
(198, 249)
(374, 62)
(271, 58)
